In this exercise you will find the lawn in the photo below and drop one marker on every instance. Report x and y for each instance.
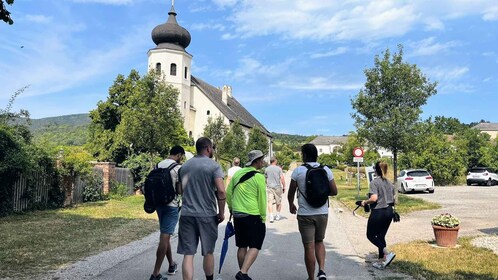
(40, 241)
(348, 194)
(423, 261)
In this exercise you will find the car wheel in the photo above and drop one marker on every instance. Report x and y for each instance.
(403, 190)
(431, 191)
(489, 183)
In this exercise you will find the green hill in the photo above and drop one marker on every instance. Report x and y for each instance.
(70, 130)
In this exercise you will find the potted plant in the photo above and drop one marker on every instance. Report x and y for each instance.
(445, 228)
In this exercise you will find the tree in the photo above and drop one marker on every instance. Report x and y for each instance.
(234, 143)
(474, 146)
(4, 14)
(286, 156)
(389, 105)
(448, 125)
(257, 141)
(140, 115)
(215, 129)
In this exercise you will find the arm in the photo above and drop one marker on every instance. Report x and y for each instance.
(333, 188)
(229, 178)
(291, 195)
(220, 187)
(262, 199)
(230, 195)
(179, 188)
(282, 180)
(373, 198)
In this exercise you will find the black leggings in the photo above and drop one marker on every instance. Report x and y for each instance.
(378, 224)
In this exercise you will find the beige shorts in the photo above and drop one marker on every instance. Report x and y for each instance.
(274, 195)
(312, 228)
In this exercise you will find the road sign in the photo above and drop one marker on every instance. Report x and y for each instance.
(358, 159)
(358, 152)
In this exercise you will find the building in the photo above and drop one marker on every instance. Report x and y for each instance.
(489, 128)
(329, 144)
(198, 100)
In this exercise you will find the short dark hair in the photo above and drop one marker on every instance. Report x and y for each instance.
(310, 153)
(176, 150)
(202, 143)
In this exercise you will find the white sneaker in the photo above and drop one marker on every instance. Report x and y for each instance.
(271, 219)
(277, 218)
(389, 258)
(379, 265)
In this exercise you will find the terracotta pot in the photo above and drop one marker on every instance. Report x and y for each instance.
(446, 237)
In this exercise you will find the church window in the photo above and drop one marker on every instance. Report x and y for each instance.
(158, 68)
(185, 105)
(190, 134)
(208, 112)
(186, 71)
(172, 69)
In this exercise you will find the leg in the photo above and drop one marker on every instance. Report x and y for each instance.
(208, 264)
(249, 259)
(169, 255)
(320, 254)
(162, 250)
(373, 231)
(188, 267)
(241, 255)
(309, 259)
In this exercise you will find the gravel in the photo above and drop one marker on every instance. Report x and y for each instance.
(488, 242)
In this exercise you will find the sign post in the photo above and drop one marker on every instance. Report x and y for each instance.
(358, 157)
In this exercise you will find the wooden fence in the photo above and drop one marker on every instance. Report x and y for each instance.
(24, 199)
(124, 176)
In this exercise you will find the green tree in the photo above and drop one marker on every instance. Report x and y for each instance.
(140, 115)
(234, 143)
(215, 129)
(4, 14)
(475, 147)
(257, 141)
(448, 125)
(389, 105)
(286, 156)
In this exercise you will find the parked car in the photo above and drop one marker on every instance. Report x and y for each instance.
(482, 176)
(415, 180)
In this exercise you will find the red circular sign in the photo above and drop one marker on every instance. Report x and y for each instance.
(358, 152)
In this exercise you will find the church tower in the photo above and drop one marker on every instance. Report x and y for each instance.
(170, 59)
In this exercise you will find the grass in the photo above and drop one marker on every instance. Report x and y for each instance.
(423, 261)
(348, 194)
(40, 241)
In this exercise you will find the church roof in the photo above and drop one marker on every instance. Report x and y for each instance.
(329, 140)
(170, 35)
(487, 126)
(233, 110)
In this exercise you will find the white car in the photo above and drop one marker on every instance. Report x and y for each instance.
(415, 180)
(482, 176)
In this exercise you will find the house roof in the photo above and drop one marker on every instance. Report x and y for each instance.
(487, 126)
(233, 110)
(328, 140)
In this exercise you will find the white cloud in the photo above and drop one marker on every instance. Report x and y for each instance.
(38, 18)
(318, 83)
(225, 3)
(429, 46)
(337, 51)
(491, 14)
(445, 73)
(250, 68)
(108, 2)
(208, 26)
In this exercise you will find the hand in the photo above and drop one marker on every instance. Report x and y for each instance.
(283, 190)
(221, 217)
(363, 202)
(292, 208)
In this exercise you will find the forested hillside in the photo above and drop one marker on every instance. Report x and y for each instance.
(291, 140)
(70, 130)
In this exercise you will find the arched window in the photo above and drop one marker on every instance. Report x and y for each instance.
(172, 69)
(185, 105)
(190, 134)
(158, 68)
(208, 112)
(186, 71)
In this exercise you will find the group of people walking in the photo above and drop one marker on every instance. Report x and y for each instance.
(250, 196)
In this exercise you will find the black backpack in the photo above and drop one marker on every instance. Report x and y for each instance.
(158, 188)
(317, 186)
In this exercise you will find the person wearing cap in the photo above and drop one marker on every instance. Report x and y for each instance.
(247, 203)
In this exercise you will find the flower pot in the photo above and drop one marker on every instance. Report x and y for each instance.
(446, 237)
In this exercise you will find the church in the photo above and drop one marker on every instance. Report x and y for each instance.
(198, 100)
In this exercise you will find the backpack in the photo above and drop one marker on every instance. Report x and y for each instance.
(158, 188)
(317, 186)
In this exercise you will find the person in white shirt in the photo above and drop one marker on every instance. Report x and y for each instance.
(236, 167)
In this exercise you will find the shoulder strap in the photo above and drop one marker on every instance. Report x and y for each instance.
(242, 179)
(173, 165)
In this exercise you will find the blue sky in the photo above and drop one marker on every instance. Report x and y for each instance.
(294, 64)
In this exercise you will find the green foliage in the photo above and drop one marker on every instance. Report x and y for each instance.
(330, 160)
(293, 141)
(475, 147)
(140, 115)
(215, 129)
(74, 161)
(118, 190)
(445, 220)
(4, 14)
(233, 144)
(257, 141)
(92, 191)
(140, 166)
(449, 125)
(389, 105)
(286, 156)
(62, 135)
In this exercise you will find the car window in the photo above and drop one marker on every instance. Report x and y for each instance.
(402, 173)
(477, 170)
(418, 173)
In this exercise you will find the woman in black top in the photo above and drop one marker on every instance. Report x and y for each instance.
(381, 201)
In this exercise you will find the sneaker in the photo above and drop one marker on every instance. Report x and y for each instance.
(172, 269)
(241, 276)
(389, 258)
(271, 219)
(158, 277)
(378, 265)
(321, 275)
(277, 218)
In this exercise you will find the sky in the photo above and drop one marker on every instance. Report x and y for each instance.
(294, 64)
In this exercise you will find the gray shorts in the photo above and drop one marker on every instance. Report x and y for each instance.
(312, 228)
(191, 229)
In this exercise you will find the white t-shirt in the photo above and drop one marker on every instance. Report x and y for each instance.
(232, 170)
(174, 177)
(299, 175)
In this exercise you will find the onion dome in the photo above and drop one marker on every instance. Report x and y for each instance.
(170, 35)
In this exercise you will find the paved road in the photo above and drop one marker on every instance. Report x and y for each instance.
(282, 254)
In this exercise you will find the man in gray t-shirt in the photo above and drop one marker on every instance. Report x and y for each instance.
(203, 208)
(275, 187)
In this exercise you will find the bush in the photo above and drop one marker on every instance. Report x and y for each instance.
(92, 191)
(118, 190)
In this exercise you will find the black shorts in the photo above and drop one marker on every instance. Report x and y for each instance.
(250, 232)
